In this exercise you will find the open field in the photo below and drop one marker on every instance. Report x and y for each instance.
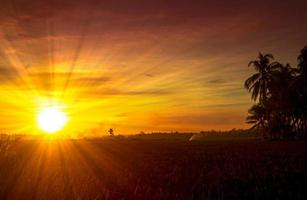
(144, 167)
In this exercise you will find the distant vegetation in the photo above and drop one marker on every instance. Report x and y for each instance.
(227, 133)
(280, 95)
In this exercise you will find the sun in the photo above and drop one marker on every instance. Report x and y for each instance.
(51, 119)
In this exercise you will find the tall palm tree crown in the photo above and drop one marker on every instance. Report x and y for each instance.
(258, 83)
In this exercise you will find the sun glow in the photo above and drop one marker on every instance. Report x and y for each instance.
(51, 119)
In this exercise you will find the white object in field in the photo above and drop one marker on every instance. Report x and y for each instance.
(195, 137)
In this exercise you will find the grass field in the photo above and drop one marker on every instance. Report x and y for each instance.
(147, 167)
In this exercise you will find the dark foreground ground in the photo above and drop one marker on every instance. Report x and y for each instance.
(153, 168)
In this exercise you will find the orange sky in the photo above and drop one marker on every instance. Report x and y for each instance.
(139, 65)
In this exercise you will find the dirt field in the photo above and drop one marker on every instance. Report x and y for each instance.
(154, 168)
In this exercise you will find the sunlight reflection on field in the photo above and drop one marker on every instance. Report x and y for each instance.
(141, 167)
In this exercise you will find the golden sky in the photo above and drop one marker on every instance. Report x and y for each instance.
(139, 65)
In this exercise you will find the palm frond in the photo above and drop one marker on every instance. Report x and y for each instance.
(255, 126)
(257, 66)
(251, 80)
(269, 56)
(256, 92)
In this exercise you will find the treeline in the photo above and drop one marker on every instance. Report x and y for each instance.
(232, 132)
(280, 95)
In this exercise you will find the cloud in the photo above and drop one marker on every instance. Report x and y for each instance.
(119, 92)
(93, 80)
(7, 75)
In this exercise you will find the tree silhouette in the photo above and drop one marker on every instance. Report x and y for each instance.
(111, 132)
(257, 84)
(280, 95)
(256, 117)
(301, 107)
(302, 61)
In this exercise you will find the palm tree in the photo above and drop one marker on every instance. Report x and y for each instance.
(258, 83)
(256, 117)
(280, 95)
(280, 86)
(301, 81)
(302, 61)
